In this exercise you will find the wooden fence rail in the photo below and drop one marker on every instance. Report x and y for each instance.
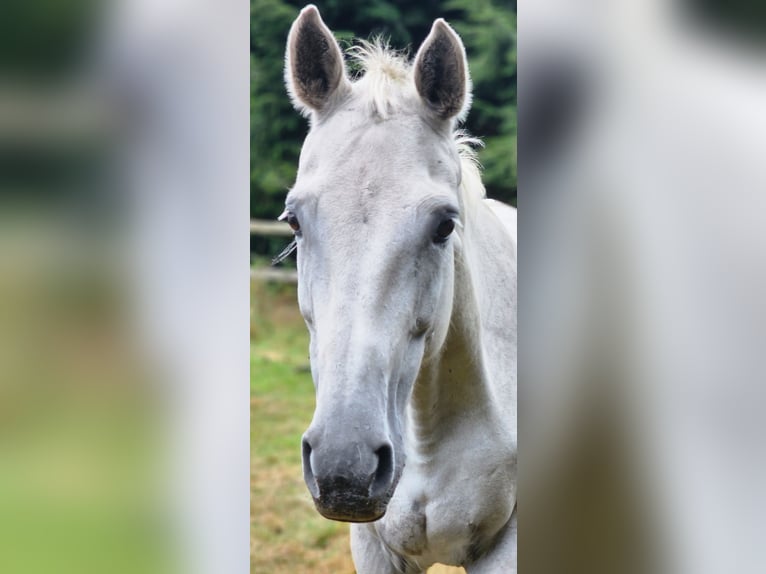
(264, 227)
(274, 274)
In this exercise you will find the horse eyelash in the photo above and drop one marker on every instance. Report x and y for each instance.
(292, 246)
(285, 253)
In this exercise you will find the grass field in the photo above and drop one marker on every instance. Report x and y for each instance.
(287, 535)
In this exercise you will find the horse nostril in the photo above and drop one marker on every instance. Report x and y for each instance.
(308, 472)
(384, 474)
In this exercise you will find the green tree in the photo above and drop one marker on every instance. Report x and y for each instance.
(489, 33)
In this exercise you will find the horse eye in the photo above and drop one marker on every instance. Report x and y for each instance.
(292, 221)
(444, 230)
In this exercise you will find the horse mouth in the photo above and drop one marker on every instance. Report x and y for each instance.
(345, 502)
(368, 512)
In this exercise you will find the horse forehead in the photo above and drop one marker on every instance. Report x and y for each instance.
(353, 145)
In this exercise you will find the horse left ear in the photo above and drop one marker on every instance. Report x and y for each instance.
(441, 73)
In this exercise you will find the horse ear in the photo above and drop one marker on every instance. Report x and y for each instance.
(441, 72)
(314, 69)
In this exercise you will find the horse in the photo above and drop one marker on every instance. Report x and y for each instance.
(407, 284)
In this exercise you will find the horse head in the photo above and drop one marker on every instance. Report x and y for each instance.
(377, 215)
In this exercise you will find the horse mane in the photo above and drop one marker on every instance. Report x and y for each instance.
(471, 186)
(384, 76)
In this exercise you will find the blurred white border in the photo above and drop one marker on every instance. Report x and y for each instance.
(179, 74)
(643, 251)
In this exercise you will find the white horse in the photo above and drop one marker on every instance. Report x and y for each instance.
(407, 283)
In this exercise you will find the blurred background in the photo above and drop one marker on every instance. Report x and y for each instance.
(124, 353)
(642, 128)
(288, 534)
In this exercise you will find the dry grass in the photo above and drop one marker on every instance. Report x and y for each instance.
(441, 569)
(287, 535)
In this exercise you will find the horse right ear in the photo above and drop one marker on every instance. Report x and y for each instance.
(441, 73)
(314, 70)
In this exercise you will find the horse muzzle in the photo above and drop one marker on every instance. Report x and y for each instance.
(351, 484)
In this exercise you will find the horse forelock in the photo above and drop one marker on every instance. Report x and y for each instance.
(384, 76)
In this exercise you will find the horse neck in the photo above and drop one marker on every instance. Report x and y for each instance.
(452, 386)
